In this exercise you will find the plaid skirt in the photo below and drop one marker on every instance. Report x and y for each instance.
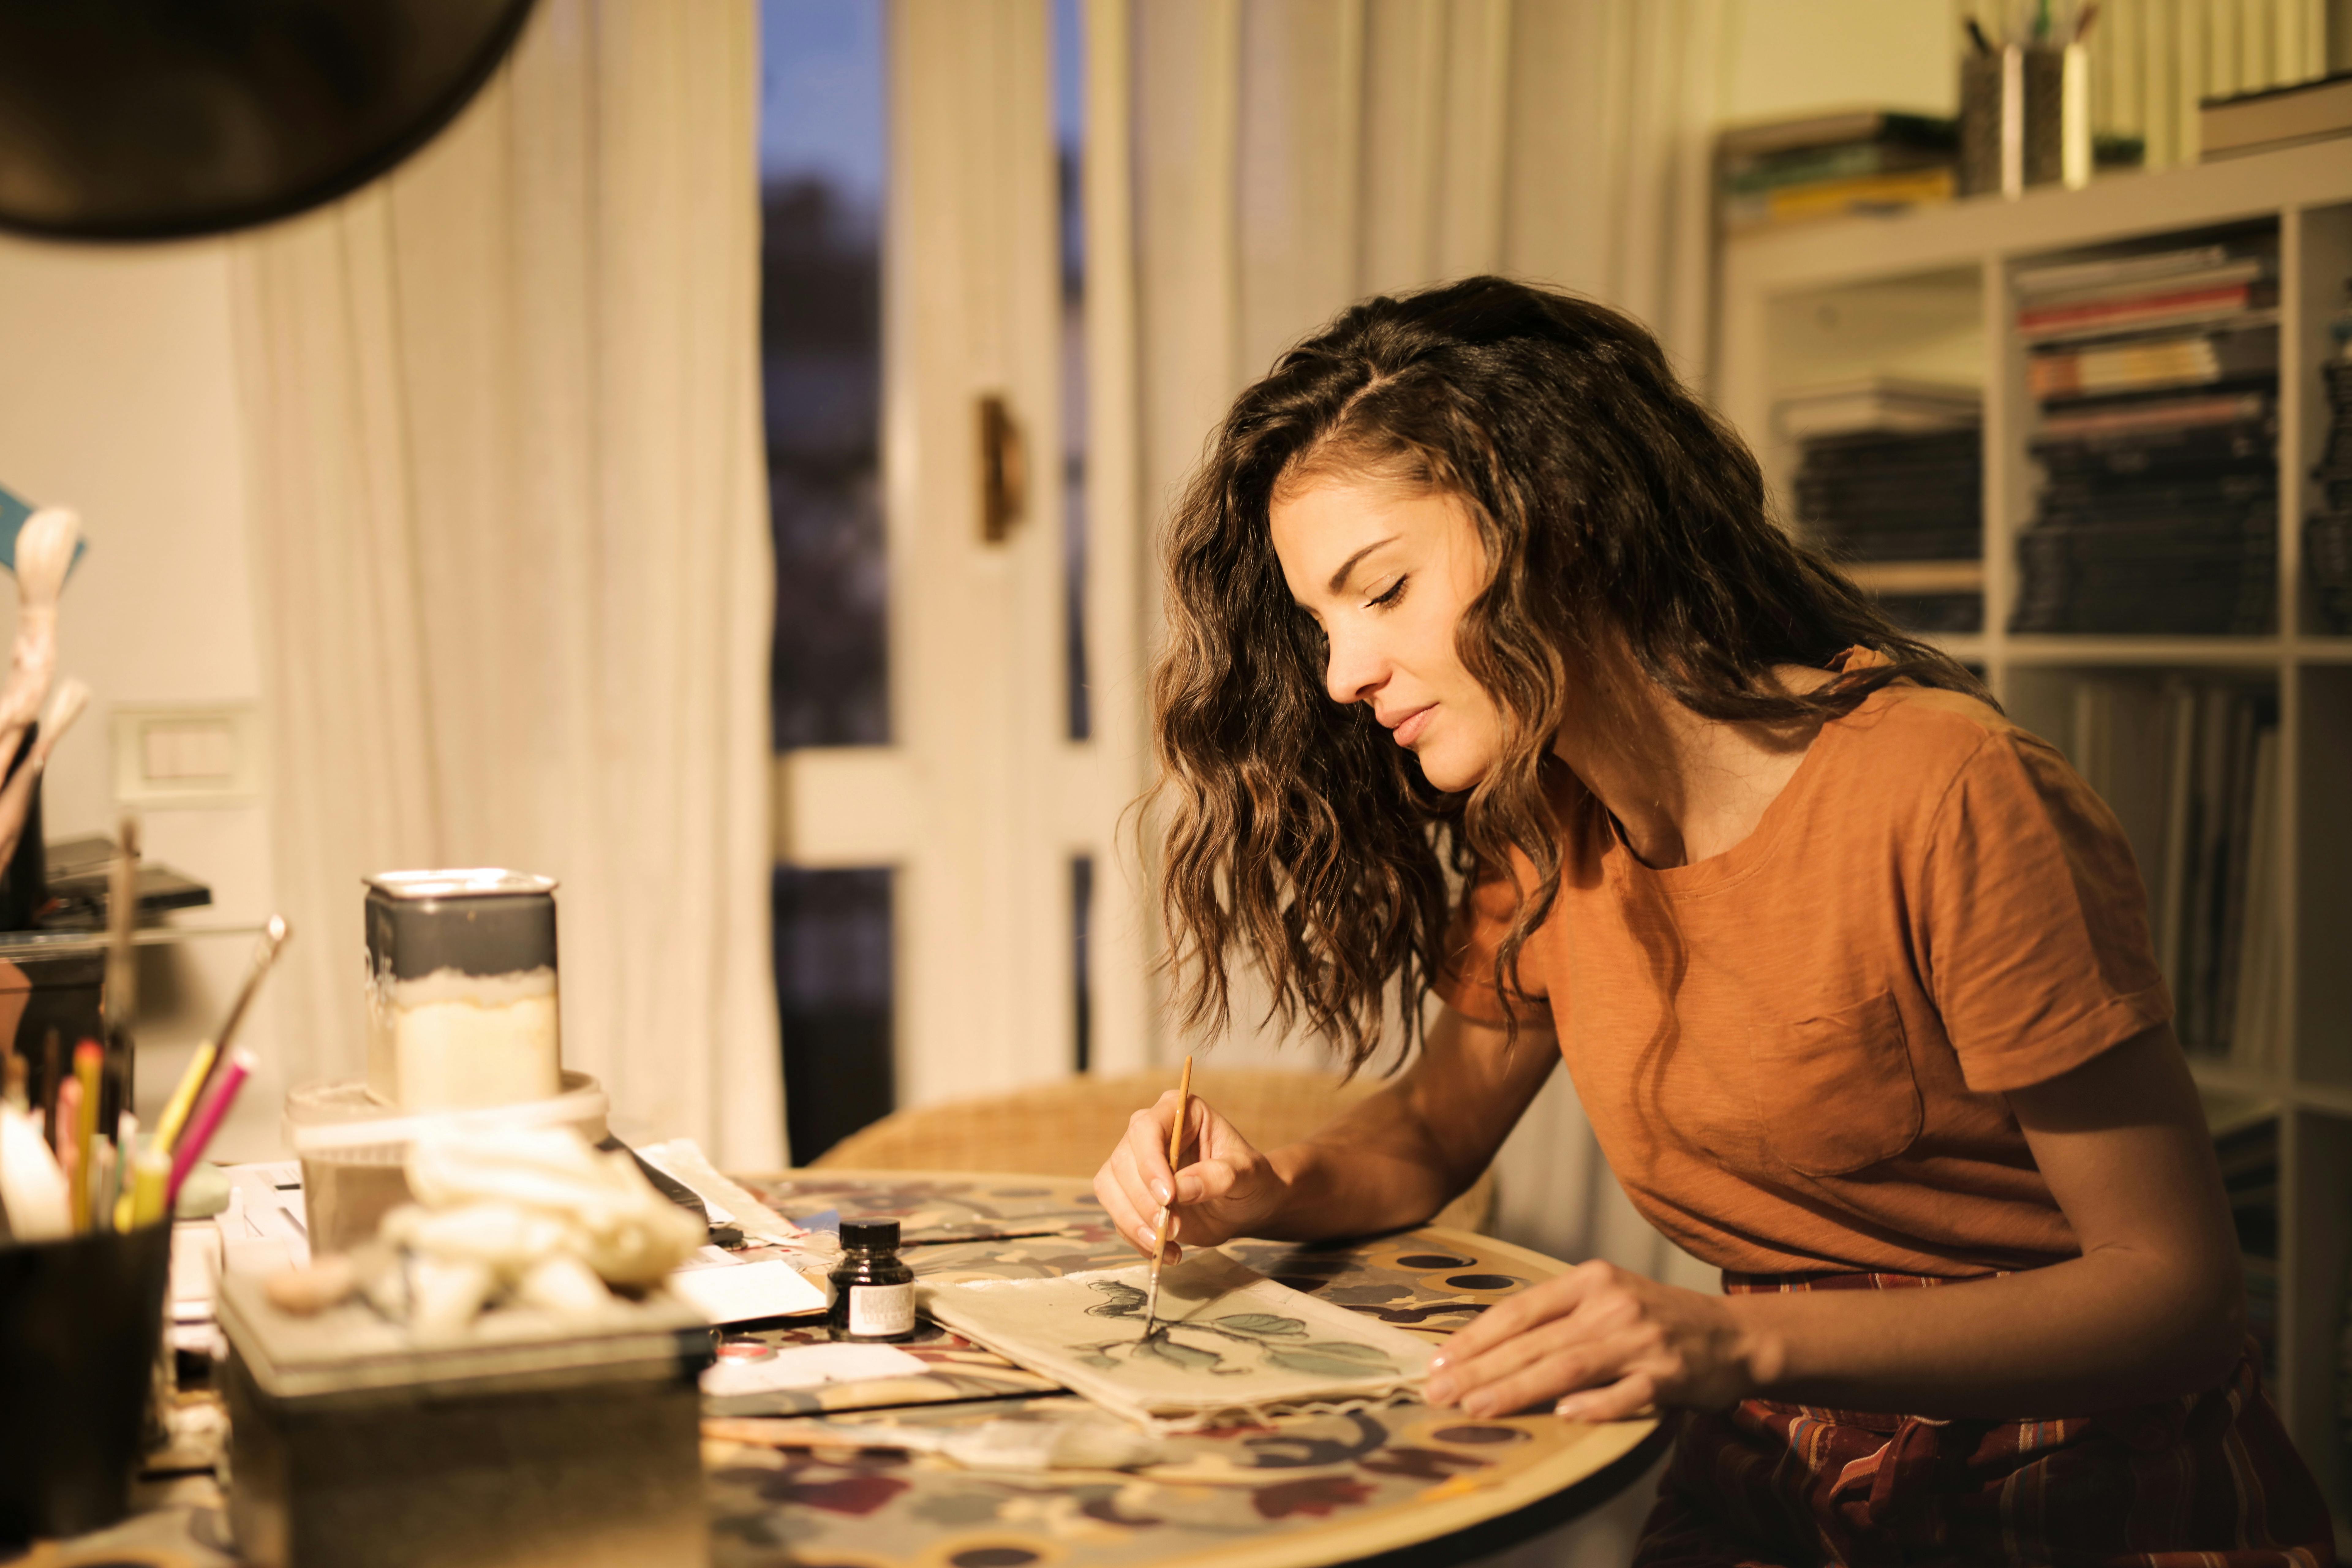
(2206, 1482)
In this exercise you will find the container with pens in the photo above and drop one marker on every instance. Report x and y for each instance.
(84, 1267)
(2025, 105)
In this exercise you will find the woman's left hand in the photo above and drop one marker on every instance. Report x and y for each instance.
(1600, 1344)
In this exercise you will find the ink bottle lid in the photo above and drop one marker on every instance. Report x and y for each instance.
(870, 1234)
(873, 1292)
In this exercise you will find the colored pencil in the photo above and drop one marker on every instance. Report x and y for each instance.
(151, 1175)
(70, 1162)
(1160, 1235)
(90, 1061)
(101, 1184)
(126, 1149)
(207, 1121)
(184, 1096)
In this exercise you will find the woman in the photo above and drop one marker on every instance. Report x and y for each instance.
(1852, 976)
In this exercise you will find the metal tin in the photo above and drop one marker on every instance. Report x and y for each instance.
(461, 989)
(477, 922)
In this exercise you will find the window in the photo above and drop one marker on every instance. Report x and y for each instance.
(822, 165)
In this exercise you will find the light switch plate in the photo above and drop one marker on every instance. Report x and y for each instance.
(192, 755)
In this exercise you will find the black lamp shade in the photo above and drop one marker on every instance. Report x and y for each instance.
(161, 119)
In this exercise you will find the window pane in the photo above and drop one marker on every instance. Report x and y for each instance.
(833, 990)
(820, 170)
(1070, 137)
(1082, 909)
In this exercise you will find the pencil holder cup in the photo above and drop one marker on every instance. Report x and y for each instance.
(81, 1322)
(2025, 119)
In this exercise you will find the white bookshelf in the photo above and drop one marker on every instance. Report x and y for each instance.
(1927, 294)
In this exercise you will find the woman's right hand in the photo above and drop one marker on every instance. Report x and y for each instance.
(1228, 1189)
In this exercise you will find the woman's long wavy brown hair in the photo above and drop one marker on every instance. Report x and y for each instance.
(1624, 524)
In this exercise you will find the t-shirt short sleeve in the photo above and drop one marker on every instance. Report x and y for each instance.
(2033, 920)
(1465, 980)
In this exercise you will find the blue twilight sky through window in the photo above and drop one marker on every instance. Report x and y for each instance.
(821, 96)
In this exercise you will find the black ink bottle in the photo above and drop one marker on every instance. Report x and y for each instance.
(874, 1293)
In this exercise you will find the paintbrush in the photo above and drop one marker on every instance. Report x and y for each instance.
(121, 996)
(206, 1064)
(1159, 1236)
(273, 937)
(120, 1000)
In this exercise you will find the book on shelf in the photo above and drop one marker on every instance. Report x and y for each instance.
(2143, 365)
(1758, 173)
(1875, 402)
(2128, 272)
(1814, 166)
(2091, 424)
(1883, 193)
(1892, 470)
(1737, 145)
(2189, 765)
(2156, 376)
(2104, 317)
(2327, 531)
(2258, 1021)
(2315, 110)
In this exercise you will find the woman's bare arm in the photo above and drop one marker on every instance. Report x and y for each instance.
(2152, 1308)
(1389, 1161)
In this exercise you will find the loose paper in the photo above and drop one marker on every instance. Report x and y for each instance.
(1226, 1338)
(737, 1292)
(807, 1367)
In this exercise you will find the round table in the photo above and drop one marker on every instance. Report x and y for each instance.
(1396, 1484)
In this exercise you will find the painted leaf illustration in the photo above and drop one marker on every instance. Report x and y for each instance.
(1263, 1324)
(1161, 1347)
(1125, 1301)
(1330, 1358)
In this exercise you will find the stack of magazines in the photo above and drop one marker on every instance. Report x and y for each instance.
(1867, 161)
(1890, 471)
(2156, 377)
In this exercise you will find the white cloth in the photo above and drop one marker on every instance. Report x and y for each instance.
(513, 571)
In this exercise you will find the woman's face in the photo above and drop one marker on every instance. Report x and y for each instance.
(1387, 572)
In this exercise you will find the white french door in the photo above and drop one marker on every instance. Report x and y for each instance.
(982, 802)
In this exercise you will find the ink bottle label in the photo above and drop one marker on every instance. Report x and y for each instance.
(873, 1292)
(881, 1311)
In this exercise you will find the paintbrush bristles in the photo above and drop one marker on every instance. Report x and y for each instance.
(1160, 1234)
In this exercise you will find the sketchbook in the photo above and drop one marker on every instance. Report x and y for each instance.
(1227, 1341)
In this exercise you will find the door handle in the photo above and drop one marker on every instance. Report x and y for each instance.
(1003, 470)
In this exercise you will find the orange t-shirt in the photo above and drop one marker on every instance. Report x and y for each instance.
(1794, 1053)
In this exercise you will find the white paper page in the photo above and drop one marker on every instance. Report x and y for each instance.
(807, 1366)
(657, 1156)
(739, 1292)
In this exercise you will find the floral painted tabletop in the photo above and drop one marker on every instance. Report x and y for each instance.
(1428, 1485)
(1309, 1489)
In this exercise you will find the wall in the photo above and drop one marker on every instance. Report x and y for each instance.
(118, 398)
(1798, 57)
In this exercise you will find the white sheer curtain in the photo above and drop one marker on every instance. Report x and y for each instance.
(514, 580)
(1291, 156)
